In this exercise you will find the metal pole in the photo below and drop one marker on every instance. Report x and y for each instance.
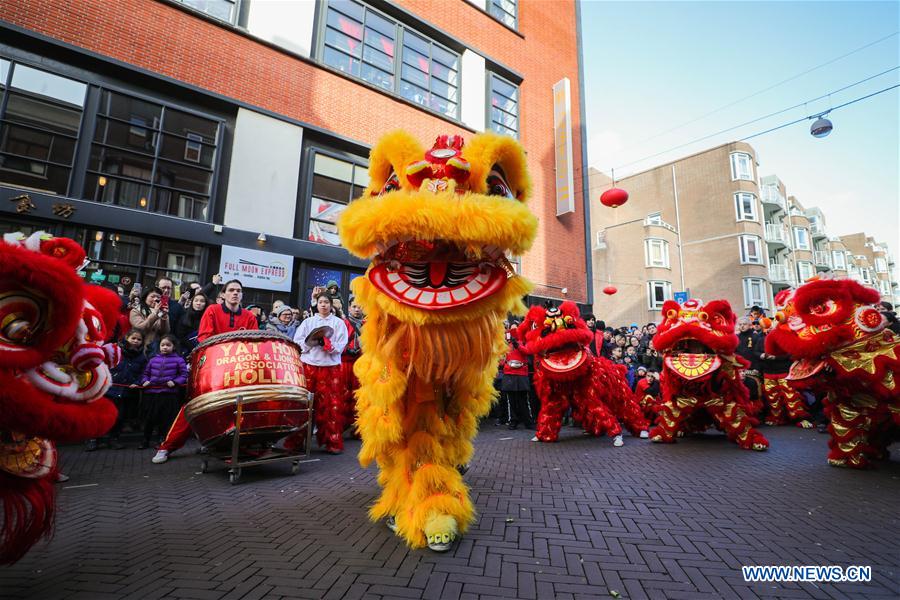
(678, 227)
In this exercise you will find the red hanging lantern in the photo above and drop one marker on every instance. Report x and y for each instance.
(614, 197)
(610, 290)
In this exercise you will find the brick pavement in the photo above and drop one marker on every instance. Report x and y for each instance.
(577, 519)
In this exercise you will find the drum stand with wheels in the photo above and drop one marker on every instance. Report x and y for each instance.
(239, 457)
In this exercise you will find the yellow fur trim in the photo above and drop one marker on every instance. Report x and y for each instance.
(393, 152)
(487, 149)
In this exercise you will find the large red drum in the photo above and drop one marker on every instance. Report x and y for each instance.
(263, 368)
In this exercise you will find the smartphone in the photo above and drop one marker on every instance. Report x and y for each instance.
(164, 302)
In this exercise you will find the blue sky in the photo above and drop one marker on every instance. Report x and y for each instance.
(651, 66)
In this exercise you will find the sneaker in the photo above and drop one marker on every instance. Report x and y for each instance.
(645, 434)
(391, 523)
(160, 457)
(618, 442)
(512, 426)
(61, 478)
(91, 445)
(535, 439)
(144, 445)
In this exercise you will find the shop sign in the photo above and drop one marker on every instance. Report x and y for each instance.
(257, 269)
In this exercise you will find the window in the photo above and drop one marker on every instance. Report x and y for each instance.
(653, 219)
(504, 97)
(226, 10)
(657, 293)
(839, 259)
(801, 238)
(315, 275)
(335, 182)
(880, 265)
(361, 42)
(884, 287)
(116, 256)
(656, 253)
(745, 206)
(505, 11)
(741, 166)
(805, 270)
(39, 127)
(755, 292)
(152, 157)
(866, 273)
(751, 250)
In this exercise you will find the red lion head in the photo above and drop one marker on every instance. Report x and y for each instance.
(54, 370)
(694, 336)
(558, 337)
(822, 316)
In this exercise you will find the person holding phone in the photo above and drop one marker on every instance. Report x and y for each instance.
(151, 318)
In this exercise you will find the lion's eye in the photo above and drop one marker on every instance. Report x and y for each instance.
(823, 308)
(391, 185)
(21, 318)
(497, 186)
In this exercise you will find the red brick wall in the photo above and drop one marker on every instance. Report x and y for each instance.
(161, 38)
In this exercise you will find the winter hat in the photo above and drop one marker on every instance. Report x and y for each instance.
(285, 308)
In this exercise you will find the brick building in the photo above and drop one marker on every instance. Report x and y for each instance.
(158, 131)
(709, 225)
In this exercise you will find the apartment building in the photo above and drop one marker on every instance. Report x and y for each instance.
(180, 136)
(709, 226)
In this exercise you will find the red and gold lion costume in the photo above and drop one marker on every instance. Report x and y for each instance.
(840, 343)
(437, 225)
(701, 380)
(566, 374)
(54, 370)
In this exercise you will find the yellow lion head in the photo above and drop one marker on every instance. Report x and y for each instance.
(438, 226)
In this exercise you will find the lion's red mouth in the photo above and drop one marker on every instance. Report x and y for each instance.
(564, 360)
(436, 275)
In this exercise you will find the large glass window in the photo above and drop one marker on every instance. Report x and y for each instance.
(361, 42)
(741, 166)
(38, 128)
(880, 265)
(226, 10)
(321, 276)
(755, 293)
(745, 207)
(335, 182)
(801, 238)
(504, 97)
(656, 253)
(657, 293)
(839, 259)
(805, 270)
(751, 250)
(152, 157)
(506, 11)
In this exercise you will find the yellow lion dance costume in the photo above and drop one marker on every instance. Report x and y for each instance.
(438, 226)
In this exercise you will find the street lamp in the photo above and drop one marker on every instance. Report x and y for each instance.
(821, 127)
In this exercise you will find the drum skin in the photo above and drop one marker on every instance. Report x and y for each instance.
(261, 367)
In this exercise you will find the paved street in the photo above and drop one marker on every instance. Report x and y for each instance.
(577, 519)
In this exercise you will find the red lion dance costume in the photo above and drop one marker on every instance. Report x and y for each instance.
(840, 341)
(701, 379)
(567, 374)
(54, 371)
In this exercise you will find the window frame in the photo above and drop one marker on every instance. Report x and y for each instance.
(749, 300)
(651, 296)
(235, 15)
(796, 239)
(308, 167)
(654, 218)
(76, 139)
(498, 4)
(739, 207)
(811, 269)
(843, 260)
(400, 31)
(880, 265)
(663, 251)
(489, 119)
(158, 132)
(745, 254)
(735, 175)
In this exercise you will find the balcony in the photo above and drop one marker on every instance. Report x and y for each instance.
(776, 235)
(772, 199)
(822, 259)
(817, 229)
(781, 274)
